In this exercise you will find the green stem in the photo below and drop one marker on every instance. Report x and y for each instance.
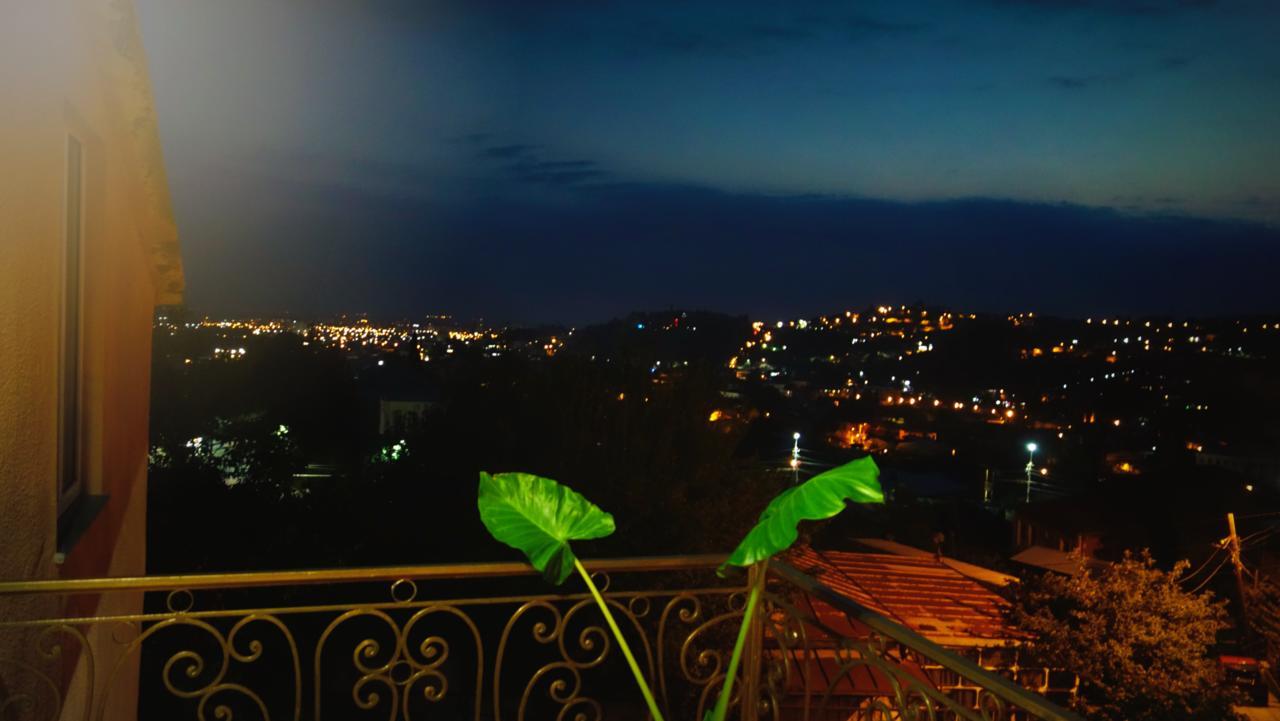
(722, 703)
(622, 642)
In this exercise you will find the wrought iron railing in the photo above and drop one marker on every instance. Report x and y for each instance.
(474, 641)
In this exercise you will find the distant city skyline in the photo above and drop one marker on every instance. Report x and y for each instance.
(197, 317)
(562, 160)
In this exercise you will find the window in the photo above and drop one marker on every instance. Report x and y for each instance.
(69, 372)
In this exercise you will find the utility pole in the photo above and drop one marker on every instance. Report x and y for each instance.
(1233, 545)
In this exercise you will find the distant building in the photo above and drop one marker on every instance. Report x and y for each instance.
(925, 486)
(1255, 467)
(1127, 463)
(88, 249)
(401, 396)
(398, 416)
(1064, 525)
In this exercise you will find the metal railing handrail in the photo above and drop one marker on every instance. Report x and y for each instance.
(996, 684)
(261, 579)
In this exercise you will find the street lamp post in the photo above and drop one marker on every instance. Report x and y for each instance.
(1031, 466)
(795, 457)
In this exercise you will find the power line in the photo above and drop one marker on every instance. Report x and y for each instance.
(1259, 536)
(1259, 515)
(1209, 578)
(1188, 576)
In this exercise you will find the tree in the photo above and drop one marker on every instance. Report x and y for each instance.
(1263, 604)
(1138, 641)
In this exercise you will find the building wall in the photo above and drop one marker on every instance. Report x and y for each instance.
(76, 67)
(1257, 468)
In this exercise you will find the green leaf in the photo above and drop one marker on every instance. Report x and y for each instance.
(822, 496)
(539, 516)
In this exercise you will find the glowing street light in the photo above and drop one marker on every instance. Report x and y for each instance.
(1031, 466)
(795, 457)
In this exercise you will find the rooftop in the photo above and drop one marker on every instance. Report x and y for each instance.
(922, 593)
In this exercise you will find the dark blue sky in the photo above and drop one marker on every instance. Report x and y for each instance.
(575, 159)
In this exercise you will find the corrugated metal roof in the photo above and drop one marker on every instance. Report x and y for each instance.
(921, 593)
(1051, 559)
(977, 573)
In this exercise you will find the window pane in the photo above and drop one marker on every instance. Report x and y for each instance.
(71, 320)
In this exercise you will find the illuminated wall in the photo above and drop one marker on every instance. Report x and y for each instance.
(73, 81)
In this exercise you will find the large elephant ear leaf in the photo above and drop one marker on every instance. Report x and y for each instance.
(822, 496)
(539, 517)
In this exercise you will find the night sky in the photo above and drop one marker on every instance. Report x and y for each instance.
(572, 160)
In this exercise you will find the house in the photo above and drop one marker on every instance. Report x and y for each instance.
(403, 415)
(1259, 466)
(920, 592)
(1065, 563)
(925, 486)
(1065, 524)
(405, 398)
(88, 249)
(952, 604)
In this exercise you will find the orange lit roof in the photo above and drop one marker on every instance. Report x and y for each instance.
(921, 593)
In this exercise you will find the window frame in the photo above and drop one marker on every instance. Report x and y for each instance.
(70, 482)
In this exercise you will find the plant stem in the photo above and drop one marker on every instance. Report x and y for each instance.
(722, 703)
(622, 642)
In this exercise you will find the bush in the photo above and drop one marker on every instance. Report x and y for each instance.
(1138, 641)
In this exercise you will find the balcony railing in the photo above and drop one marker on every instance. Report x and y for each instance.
(474, 641)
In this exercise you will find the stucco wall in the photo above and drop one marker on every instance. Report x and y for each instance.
(75, 67)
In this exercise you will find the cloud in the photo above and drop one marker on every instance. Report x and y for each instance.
(619, 246)
(737, 37)
(556, 172)
(1074, 82)
(728, 39)
(783, 33)
(529, 164)
(544, 165)
(516, 150)
(860, 26)
(564, 177)
(470, 138)
(1258, 201)
(1169, 63)
(1148, 8)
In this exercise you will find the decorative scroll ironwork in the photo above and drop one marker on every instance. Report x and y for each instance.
(274, 646)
